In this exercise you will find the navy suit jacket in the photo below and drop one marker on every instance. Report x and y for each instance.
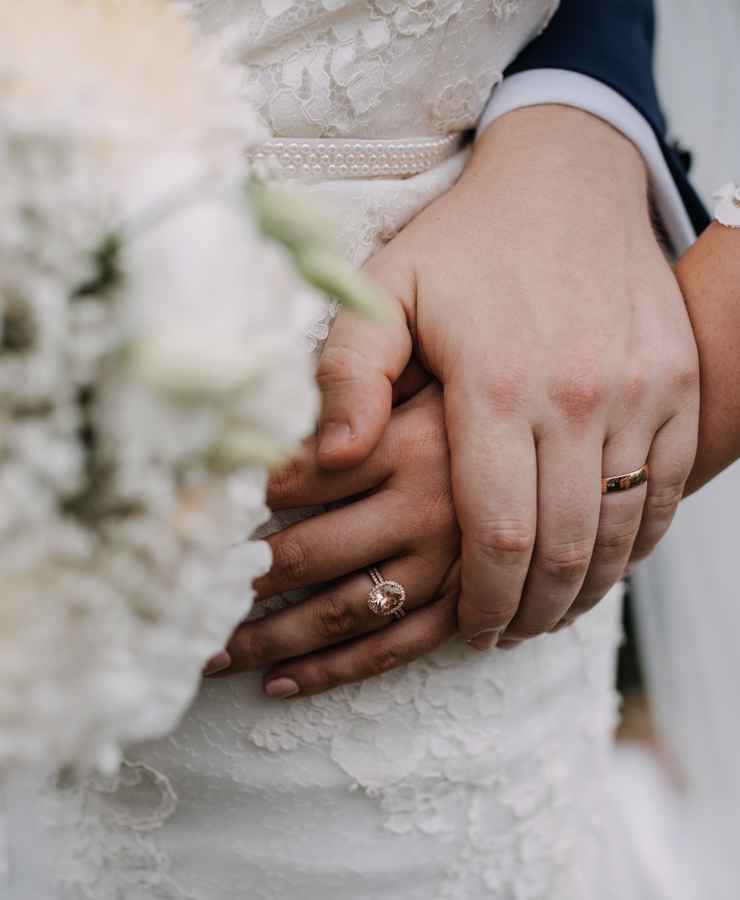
(612, 41)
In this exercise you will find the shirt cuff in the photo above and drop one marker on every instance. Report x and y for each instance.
(549, 86)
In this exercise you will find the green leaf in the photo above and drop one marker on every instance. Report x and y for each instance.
(332, 274)
(291, 217)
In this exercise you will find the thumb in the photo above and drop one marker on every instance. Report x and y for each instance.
(359, 364)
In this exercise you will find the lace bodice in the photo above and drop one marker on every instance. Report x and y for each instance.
(371, 68)
(461, 776)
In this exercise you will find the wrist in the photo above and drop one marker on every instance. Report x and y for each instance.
(565, 151)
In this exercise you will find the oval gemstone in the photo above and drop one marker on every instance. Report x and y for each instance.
(386, 598)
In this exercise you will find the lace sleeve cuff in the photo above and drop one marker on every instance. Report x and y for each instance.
(727, 206)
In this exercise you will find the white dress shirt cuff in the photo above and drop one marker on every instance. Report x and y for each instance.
(541, 86)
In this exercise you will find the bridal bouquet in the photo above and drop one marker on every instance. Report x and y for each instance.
(152, 365)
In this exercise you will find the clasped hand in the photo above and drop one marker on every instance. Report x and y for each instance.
(536, 297)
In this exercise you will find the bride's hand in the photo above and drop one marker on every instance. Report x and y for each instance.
(402, 520)
(537, 294)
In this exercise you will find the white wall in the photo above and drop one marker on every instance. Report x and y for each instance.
(698, 70)
(690, 588)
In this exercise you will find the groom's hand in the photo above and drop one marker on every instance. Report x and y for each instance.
(539, 298)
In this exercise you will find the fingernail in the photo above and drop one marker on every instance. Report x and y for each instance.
(280, 688)
(218, 663)
(485, 639)
(507, 645)
(334, 436)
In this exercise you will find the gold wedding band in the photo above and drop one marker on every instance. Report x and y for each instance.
(624, 482)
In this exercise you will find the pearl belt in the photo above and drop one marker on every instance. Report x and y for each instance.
(327, 158)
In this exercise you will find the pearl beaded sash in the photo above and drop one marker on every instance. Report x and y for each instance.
(326, 158)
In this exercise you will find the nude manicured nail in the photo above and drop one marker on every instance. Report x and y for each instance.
(280, 688)
(218, 663)
(334, 436)
(486, 639)
(507, 645)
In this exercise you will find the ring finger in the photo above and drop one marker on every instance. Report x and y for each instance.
(619, 521)
(335, 614)
(671, 459)
(374, 654)
(339, 542)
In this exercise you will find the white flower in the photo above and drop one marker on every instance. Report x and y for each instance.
(152, 360)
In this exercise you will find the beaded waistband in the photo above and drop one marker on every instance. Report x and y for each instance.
(327, 158)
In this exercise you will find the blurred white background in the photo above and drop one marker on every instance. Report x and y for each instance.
(698, 72)
(698, 69)
(687, 597)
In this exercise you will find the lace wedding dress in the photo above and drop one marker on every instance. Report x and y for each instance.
(462, 776)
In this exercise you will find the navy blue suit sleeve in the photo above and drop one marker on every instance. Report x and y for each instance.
(613, 42)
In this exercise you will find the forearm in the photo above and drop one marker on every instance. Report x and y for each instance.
(709, 275)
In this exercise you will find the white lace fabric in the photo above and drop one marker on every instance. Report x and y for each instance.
(461, 776)
(727, 205)
(392, 69)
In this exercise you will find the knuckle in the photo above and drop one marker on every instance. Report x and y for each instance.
(636, 386)
(683, 375)
(494, 612)
(508, 389)
(285, 480)
(663, 499)
(385, 659)
(660, 507)
(579, 393)
(505, 541)
(335, 617)
(502, 390)
(614, 542)
(339, 365)
(567, 563)
(290, 561)
(315, 678)
(250, 648)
